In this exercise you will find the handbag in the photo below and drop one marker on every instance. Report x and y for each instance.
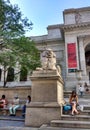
(67, 107)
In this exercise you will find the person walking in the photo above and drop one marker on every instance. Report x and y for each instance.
(81, 90)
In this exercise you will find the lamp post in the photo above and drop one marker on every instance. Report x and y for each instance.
(78, 77)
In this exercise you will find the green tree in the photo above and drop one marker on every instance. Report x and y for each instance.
(14, 46)
(12, 22)
(20, 50)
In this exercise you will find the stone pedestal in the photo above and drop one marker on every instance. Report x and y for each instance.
(46, 98)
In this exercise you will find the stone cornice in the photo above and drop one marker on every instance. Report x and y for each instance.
(74, 26)
(84, 36)
(73, 10)
(45, 38)
(49, 40)
(55, 26)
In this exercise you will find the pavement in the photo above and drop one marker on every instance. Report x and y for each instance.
(17, 123)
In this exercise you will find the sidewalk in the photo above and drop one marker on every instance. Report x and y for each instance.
(12, 125)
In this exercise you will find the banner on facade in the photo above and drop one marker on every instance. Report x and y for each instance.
(71, 53)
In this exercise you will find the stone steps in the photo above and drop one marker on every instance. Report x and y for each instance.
(87, 107)
(70, 124)
(77, 121)
(86, 95)
(76, 117)
(86, 111)
(61, 128)
(12, 118)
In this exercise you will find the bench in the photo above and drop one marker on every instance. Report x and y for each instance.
(5, 111)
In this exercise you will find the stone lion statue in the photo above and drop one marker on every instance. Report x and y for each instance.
(48, 61)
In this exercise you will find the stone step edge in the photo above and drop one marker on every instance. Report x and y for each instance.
(12, 119)
(70, 122)
(18, 128)
(62, 128)
(76, 116)
(86, 110)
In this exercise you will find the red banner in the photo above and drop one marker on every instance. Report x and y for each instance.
(71, 52)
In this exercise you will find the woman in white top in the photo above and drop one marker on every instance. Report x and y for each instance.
(73, 100)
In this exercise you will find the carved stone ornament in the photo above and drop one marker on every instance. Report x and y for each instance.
(78, 18)
(48, 61)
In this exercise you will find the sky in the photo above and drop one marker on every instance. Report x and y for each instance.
(43, 13)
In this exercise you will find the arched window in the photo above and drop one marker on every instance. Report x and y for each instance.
(23, 74)
(10, 75)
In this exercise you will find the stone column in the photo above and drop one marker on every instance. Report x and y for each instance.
(2, 75)
(16, 71)
(46, 98)
(82, 56)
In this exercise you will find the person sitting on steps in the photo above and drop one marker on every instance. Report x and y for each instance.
(28, 100)
(14, 106)
(3, 102)
(74, 101)
(86, 87)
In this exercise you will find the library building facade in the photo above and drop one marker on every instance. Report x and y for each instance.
(71, 43)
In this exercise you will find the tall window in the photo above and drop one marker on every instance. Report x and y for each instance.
(87, 54)
(10, 75)
(23, 74)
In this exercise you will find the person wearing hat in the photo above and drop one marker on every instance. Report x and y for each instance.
(14, 106)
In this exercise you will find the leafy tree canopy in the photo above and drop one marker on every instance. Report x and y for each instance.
(14, 46)
(12, 23)
(20, 50)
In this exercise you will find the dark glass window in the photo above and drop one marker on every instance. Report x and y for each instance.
(87, 55)
(23, 74)
(10, 75)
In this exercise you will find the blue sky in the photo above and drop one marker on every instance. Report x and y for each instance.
(46, 12)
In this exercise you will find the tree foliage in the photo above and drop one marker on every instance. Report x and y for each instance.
(22, 51)
(14, 46)
(12, 23)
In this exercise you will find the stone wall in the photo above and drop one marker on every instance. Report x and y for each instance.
(22, 92)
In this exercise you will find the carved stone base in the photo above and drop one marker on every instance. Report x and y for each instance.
(46, 98)
(41, 113)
